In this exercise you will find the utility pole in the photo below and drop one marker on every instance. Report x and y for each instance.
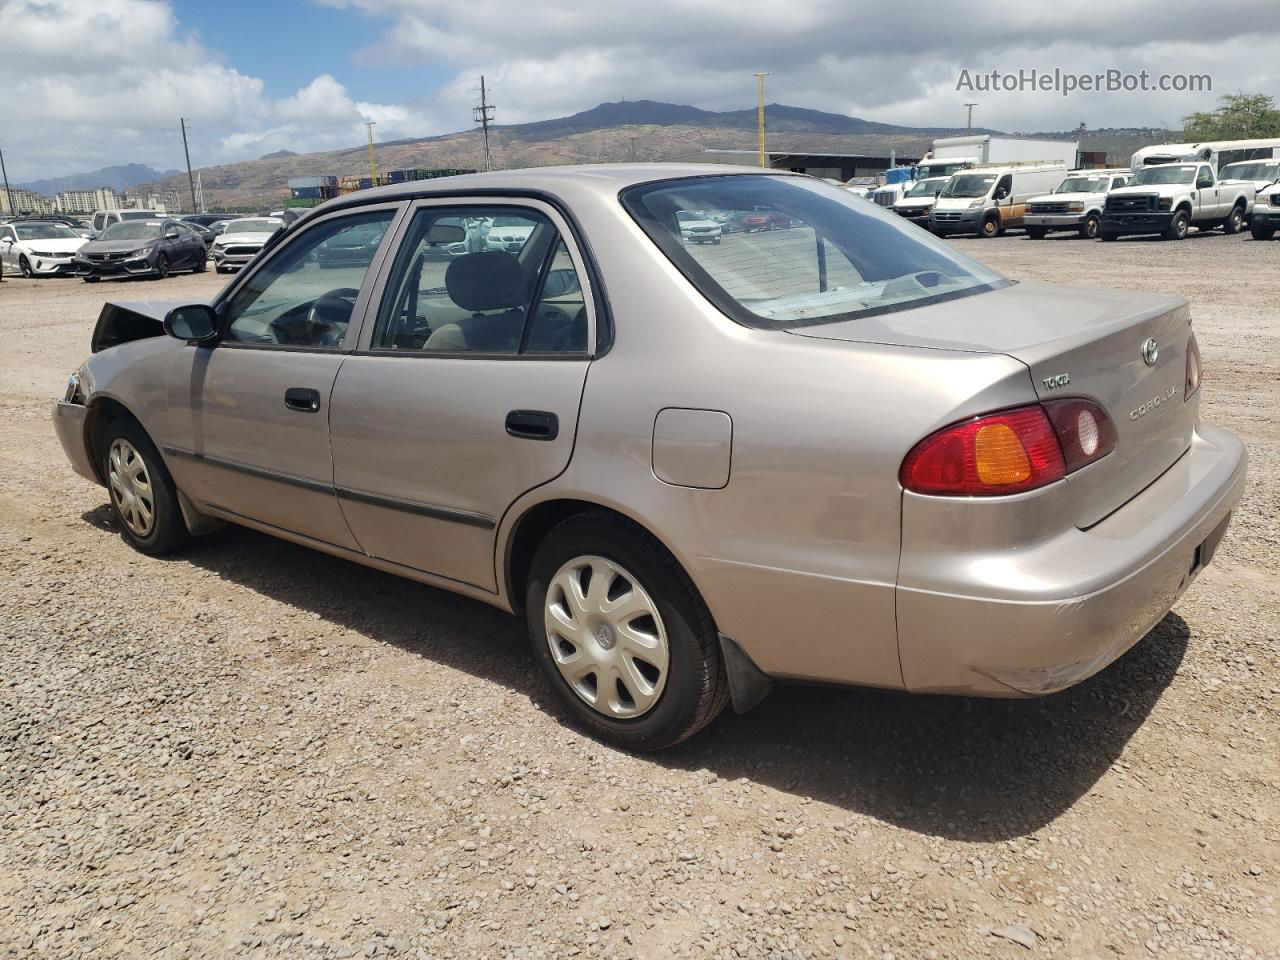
(187, 153)
(373, 159)
(7, 192)
(969, 123)
(633, 149)
(482, 113)
(764, 161)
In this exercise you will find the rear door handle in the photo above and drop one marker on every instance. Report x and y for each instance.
(302, 398)
(533, 424)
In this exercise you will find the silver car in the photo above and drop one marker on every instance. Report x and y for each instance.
(841, 452)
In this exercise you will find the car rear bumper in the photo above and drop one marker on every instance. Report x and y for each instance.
(68, 423)
(1024, 619)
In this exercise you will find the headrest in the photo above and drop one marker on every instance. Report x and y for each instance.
(491, 280)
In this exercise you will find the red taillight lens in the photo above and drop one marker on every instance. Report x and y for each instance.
(1005, 452)
(1194, 370)
(1084, 430)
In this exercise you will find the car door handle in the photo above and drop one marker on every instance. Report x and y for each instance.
(302, 398)
(533, 424)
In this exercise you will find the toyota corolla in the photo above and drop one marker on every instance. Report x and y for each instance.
(841, 452)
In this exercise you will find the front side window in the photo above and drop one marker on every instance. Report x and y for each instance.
(483, 280)
(304, 295)
(839, 258)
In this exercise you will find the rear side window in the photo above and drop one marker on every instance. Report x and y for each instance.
(796, 251)
(483, 281)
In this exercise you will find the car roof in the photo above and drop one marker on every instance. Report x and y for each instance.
(603, 179)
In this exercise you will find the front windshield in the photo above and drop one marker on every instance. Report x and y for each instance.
(942, 169)
(252, 226)
(46, 231)
(927, 188)
(1083, 185)
(830, 257)
(969, 185)
(1149, 176)
(139, 215)
(133, 230)
(1251, 170)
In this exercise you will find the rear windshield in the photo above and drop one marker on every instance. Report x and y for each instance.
(797, 251)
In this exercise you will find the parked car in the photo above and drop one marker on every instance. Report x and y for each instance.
(206, 235)
(1076, 205)
(697, 227)
(1265, 219)
(846, 454)
(105, 218)
(240, 241)
(208, 219)
(988, 200)
(354, 249)
(141, 248)
(38, 248)
(1171, 198)
(918, 203)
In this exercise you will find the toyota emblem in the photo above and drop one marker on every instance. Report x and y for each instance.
(1150, 352)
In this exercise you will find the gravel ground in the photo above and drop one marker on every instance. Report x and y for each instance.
(255, 750)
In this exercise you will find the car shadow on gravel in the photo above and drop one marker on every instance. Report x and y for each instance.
(955, 767)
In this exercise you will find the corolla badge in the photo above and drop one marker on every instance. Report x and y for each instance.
(1150, 352)
(1143, 409)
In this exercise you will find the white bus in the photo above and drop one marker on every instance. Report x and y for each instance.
(1216, 153)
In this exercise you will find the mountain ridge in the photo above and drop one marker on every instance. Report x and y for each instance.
(118, 177)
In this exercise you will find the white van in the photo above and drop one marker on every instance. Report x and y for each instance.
(987, 200)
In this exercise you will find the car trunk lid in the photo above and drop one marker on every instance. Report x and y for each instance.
(1075, 343)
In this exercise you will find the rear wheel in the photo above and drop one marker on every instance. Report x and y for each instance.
(622, 634)
(1089, 229)
(143, 496)
(990, 227)
(1262, 233)
(201, 264)
(1178, 226)
(1235, 222)
(1037, 233)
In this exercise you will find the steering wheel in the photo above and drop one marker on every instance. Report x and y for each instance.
(329, 316)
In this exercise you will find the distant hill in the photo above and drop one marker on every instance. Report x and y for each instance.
(644, 130)
(118, 178)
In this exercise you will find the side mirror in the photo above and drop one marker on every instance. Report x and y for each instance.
(444, 233)
(194, 323)
(1002, 194)
(1203, 183)
(172, 234)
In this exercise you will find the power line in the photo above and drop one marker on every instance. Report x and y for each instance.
(483, 115)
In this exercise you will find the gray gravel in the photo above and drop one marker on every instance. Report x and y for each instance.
(252, 750)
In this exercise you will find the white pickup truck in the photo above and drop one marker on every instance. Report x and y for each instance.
(1266, 214)
(1076, 205)
(1170, 198)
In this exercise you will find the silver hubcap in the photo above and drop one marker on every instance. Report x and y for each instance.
(606, 637)
(131, 487)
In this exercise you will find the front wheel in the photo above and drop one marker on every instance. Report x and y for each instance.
(24, 267)
(1262, 233)
(1235, 222)
(1178, 226)
(162, 266)
(143, 496)
(1089, 229)
(990, 227)
(1037, 233)
(622, 634)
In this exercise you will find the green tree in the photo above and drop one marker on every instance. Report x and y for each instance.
(1240, 116)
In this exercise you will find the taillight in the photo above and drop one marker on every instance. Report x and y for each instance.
(1192, 383)
(1010, 451)
(1084, 430)
(1005, 452)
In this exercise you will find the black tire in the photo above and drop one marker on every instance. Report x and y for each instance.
(200, 265)
(1262, 233)
(1234, 222)
(1037, 233)
(990, 228)
(1089, 229)
(696, 688)
(162, 266)
(1178, 226)
(168, 532)
(92, 279)
(24, 267)
(1108, 236)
